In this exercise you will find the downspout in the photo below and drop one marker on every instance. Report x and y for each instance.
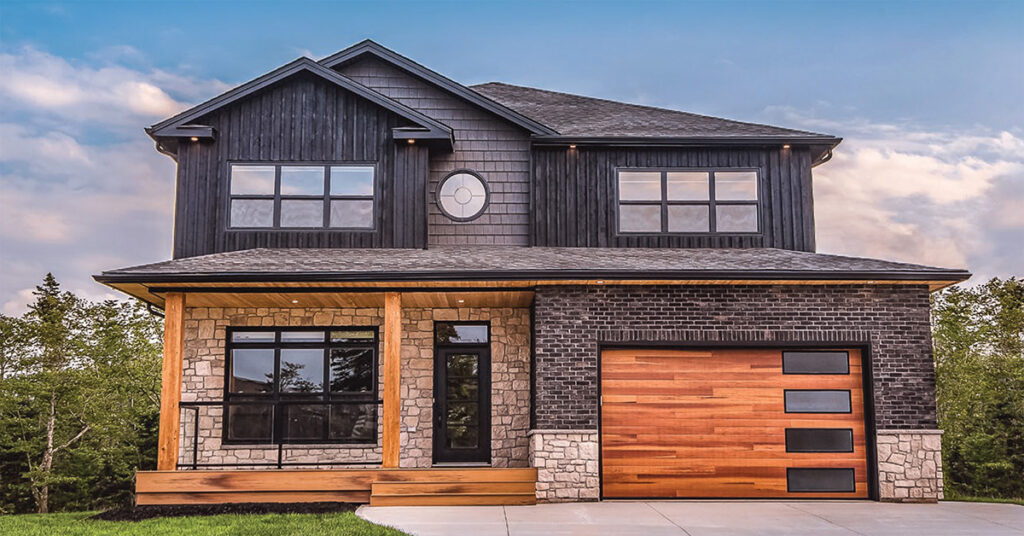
(152, 311)
(823, 159)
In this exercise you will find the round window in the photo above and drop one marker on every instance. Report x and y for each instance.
(463, 195)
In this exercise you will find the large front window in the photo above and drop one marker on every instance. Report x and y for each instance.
(302, 196)
(301, 385)
(687, 201)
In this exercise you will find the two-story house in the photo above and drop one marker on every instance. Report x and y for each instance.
(389, 287)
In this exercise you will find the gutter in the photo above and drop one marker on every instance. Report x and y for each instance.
(684, 141)
(518, 275)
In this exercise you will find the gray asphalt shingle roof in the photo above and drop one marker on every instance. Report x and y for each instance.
(498, 262)
(576, 115)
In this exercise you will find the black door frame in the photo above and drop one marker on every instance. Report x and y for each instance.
(481, 454)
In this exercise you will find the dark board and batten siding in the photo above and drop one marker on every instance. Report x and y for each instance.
(301, 120)
(497, 149)
(575, 206)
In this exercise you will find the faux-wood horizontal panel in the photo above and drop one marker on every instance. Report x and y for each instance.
(451, 488)
(253, 497)
(711, 423)
(253, 480)
(482, 485)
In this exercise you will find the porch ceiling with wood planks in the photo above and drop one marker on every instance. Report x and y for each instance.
(257, 297)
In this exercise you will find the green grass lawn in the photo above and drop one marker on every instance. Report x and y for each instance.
(968, 498)
(243, 525)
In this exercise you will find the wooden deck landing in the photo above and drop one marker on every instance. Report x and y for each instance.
(379, 487)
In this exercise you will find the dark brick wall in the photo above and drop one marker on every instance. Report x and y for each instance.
(572, 321)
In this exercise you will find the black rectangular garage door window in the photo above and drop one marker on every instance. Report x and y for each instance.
(820, 480)
(819, 440)
(815, 363)
(817, 401)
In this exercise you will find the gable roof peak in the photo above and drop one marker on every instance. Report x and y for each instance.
(375, 49)
(178, 125)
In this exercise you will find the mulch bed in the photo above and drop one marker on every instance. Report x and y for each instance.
(139, 513)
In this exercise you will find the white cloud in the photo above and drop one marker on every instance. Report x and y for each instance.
(109, 93)
(16, 304)
(938, 198)
(81, 188)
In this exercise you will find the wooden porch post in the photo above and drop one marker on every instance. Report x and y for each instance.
(170, 386)
(392, 377)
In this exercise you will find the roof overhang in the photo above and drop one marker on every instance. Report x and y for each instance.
(152, 287)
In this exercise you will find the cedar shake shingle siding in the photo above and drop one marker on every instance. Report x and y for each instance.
(496, 149)
(570, 323)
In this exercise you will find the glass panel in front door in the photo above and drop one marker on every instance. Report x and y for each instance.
(462, 400)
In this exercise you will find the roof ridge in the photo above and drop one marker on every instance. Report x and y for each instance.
(644, 106)
(436, 78)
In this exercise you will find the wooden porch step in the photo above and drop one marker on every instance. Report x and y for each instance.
(172, 498)
(452, 500)
(475, 474)
(427, 486)
(454, 487)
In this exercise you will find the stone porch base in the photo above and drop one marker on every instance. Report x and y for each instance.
(566, 462)
(909, 465)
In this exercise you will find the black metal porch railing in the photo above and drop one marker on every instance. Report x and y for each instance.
(279, 443)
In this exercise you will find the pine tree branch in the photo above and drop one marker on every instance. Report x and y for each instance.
(73, 439)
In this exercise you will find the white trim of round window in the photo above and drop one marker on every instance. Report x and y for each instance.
(463, 195)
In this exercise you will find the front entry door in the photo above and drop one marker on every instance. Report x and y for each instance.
(462, 404)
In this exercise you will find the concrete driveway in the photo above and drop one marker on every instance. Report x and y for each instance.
(700, 518)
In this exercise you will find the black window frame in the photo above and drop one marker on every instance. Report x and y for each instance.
(711, 202)
(277, 400)
(802, 373)
(849, 401)
(789, 432)
(851, 471)
(326, 197)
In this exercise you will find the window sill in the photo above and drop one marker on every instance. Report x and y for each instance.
(294, 446)
(301, 229)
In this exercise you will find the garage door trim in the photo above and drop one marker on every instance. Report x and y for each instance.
(867, 388)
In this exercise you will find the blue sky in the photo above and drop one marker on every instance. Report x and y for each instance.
(926, 94)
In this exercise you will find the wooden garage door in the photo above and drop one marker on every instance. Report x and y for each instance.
(732, 423)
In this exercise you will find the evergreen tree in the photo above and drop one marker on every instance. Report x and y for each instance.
(77, 396)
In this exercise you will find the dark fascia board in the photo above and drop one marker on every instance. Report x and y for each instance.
(681, 141)
(500, 275)
(385, 54)
(173, 126)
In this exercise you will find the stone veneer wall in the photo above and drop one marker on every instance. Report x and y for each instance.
(909, 465)
(203, 380)
(567, 465)
(510, 382)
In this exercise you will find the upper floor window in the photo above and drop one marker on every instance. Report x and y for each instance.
(678, 201)
(291, 196)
